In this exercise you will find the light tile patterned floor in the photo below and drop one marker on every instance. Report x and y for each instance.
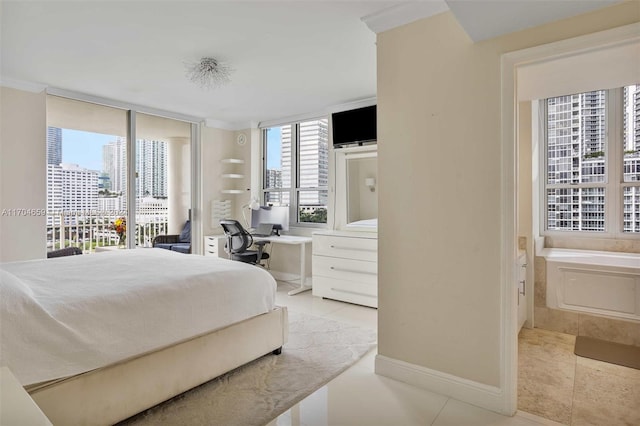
(360, 397)
(556, 384)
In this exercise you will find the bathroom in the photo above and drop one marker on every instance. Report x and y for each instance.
(581, 285)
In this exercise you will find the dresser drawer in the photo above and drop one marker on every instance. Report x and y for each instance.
(345, 269)
(360, 293)
(346, 247)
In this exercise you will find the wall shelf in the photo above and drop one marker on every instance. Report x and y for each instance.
(233, 167)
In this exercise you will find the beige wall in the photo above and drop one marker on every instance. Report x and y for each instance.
(23, 174)
(439, 189)
(218, 144)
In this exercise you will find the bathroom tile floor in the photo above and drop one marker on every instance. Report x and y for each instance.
(556, 384)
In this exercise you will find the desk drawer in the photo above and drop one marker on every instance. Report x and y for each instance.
(348, 291)
(346, 247)
(345, 269)
(214, 246)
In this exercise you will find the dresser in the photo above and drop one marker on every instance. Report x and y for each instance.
(345, 266)
(214, 246)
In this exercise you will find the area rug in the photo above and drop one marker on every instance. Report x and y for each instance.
(613, 353)
(318, 350)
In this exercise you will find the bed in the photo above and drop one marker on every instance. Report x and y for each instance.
(96, 339)
(363, 225)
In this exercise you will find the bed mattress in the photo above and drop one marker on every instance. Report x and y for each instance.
(65, 316)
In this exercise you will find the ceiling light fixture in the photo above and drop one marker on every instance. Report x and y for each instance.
(209, 73)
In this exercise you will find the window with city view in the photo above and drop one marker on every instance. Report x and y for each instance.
(593, 161)
(296, 168)
(87, 189)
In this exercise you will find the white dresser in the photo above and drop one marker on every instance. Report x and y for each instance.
(214, 246)
(345, 266)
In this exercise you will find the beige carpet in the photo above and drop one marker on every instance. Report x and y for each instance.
(254, 394)
(611, 352)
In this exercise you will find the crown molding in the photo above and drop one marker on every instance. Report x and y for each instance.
(361, 103)
(27, 86)
(402, 14)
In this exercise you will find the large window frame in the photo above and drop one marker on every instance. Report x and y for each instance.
(296, 187)
(613, 185)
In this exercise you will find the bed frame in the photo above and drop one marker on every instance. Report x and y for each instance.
(116, 392)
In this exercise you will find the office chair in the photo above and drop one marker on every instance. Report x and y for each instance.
(239, 241)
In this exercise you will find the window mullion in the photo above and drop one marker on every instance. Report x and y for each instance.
(613, 194)
(295, 170)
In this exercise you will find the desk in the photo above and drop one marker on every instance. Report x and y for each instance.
(302, 242)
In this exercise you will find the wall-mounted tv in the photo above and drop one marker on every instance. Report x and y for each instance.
(355, 126)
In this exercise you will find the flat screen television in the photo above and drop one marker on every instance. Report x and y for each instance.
(355, 126)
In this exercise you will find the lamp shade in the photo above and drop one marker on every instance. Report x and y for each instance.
(254, 204)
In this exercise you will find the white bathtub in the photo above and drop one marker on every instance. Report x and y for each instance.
(597, 282)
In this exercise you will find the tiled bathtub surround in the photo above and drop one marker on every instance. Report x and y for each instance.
(600, 244)
(578, 324)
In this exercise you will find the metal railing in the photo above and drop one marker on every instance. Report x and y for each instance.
(92, 232)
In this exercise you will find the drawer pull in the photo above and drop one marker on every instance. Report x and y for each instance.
(357, 293)
(354, 271)
(351, 248)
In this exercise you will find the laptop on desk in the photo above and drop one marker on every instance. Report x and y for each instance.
(263, 230)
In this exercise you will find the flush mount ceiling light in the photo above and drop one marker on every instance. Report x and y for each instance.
(209, 73)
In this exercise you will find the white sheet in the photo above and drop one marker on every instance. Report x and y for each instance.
(64, 316)
(365, 223)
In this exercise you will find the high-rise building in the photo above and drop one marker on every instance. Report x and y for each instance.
(631, 167)
(54, 145)
(72, 191)
(114, 164)
(274, 178)
(313, 161)
(151, 159)
(576, 154)
(151, 168)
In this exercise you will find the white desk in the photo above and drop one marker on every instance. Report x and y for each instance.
(302, 242)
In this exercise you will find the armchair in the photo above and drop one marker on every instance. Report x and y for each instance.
(176, 242)
(239, 241)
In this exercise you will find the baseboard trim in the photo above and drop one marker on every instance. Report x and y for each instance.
(478, 394)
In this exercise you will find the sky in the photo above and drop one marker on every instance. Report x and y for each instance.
(274, 142)
(84, 148)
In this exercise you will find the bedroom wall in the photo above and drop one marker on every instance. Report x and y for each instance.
(439, 180)
(218, 144)
(22, 174)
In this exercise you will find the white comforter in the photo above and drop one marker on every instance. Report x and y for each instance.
(65, 316)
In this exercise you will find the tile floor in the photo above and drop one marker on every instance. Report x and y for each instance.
(360, 397)
(556, 384)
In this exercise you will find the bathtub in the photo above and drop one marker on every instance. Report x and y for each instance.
(596, 282)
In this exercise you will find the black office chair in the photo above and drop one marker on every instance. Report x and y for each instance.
(239, 241)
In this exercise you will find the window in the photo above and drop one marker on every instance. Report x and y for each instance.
(592, 162)
(296, 169)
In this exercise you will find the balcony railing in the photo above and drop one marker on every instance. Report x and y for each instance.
(92, 232)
